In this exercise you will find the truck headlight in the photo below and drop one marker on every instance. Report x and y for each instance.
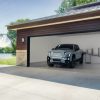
(69, 55)
(65, 53)
(49, 54)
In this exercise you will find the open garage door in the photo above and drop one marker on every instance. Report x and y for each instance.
(40, 46)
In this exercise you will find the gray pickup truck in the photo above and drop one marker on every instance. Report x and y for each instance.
(65, 54)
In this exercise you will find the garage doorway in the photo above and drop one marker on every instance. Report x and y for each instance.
(41, 45)
(39, 48)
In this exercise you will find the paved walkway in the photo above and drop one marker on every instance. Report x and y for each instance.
(20, 88)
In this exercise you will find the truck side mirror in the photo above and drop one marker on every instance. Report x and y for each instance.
(53, 48)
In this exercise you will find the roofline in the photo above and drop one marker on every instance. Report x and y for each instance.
(59, 19)
(57, 23)
(59, 15)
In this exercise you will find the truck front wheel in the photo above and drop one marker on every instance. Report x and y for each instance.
(81, 60)
(49, 63)
(72, 63)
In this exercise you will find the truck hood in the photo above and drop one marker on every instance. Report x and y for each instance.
(62, 51)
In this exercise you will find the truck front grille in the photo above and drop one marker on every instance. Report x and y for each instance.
(56, 60)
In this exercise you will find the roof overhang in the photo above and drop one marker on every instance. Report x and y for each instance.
(56, 21)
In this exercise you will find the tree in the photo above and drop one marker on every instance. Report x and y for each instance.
(67, 4)
(12, 34)
(19, 21)
(81, 2)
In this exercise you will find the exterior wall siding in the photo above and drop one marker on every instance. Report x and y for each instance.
(71, 28)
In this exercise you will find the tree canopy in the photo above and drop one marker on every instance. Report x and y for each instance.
(19, 21)
(67, 4)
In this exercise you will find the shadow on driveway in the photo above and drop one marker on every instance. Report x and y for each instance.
(87, 76)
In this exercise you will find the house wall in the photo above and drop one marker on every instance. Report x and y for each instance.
(21, 57)
(68, 28)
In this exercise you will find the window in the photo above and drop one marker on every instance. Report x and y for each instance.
(76, 47)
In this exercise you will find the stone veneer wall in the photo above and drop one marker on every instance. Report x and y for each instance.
(21, 59)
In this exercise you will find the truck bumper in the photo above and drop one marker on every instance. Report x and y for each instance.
(60, 61)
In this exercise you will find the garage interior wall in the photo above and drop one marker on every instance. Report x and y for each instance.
(40, 46)
(84, 40)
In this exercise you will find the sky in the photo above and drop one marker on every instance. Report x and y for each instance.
(11, 10)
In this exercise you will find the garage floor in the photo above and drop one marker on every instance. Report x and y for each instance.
(87, 76)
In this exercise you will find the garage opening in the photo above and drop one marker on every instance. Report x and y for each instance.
(40, 46)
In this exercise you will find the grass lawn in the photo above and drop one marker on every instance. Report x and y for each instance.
(8, 61)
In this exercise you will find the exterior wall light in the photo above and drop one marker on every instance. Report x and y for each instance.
(23, 40)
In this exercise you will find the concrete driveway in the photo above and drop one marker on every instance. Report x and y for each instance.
(20, 88)
(22, 83)
(87, 76)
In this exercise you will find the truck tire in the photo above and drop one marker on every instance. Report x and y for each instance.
(81, 60)
(72, 63)
(49, 63)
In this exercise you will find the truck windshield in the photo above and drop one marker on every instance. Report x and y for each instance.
(64, 46)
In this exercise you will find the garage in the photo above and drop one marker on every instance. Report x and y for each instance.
(40, 46)
(80, 25)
